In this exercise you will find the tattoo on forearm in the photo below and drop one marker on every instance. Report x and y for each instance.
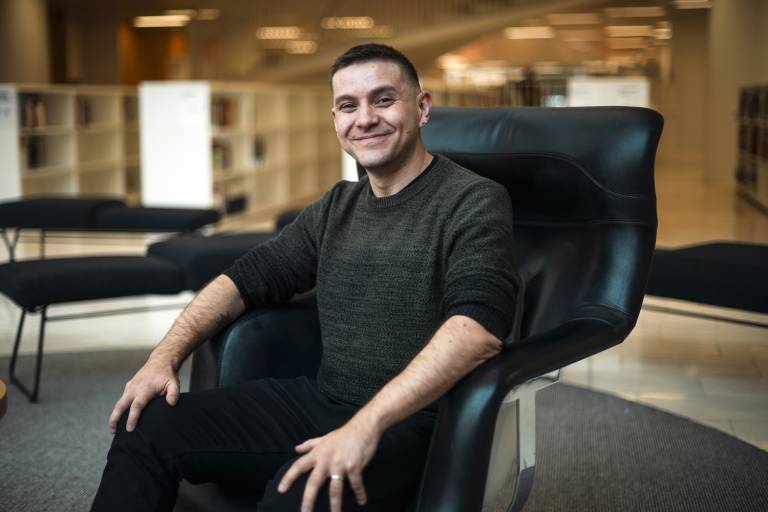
(222, 320)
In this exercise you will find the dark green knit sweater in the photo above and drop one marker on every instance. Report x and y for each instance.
(390, 270)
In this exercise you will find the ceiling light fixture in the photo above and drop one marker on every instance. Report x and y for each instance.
(347, 22)
(692, 4)
(279, 32)
(301, 47)
(208, 14)
(529, 33)
(168, 20)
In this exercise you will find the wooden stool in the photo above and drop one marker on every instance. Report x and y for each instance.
(3, 399)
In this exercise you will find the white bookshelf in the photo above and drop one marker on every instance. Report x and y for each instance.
(236, 146)
(65, 140)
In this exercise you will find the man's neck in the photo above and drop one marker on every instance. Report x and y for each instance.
(389, 184)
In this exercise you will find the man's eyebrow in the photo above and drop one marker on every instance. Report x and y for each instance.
(374, 92)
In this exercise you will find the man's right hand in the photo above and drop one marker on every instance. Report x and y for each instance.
(155, 378)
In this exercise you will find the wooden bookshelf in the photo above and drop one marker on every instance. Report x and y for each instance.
(752, 162)
(238, 147)
(67, 140)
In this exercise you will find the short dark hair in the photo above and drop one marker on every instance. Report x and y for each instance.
(372, 51)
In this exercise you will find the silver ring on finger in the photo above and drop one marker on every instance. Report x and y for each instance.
(336, 477)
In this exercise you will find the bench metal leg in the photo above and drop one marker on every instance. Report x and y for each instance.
(31, 395)
(10, 244)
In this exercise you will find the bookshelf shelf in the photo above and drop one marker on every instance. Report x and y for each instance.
(240, 147)
(70, 140)
(752, 162)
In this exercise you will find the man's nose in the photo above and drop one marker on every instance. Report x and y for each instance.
(367, 116)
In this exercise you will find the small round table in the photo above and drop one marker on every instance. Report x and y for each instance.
(3, 398)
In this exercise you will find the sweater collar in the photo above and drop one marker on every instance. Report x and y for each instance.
(426, 177)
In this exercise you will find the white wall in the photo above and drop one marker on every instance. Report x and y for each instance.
(738, 57)
(24, 41)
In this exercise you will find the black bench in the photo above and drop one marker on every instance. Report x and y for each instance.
(726, 274)
(34, 285)
(95, 214)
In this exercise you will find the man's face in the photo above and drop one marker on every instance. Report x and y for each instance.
(377, 113)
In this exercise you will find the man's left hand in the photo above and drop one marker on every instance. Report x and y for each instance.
(341, 454)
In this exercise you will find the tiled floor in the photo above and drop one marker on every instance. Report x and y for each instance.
(711, 371)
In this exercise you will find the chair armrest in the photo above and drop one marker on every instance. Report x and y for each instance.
(280, 342)
(457, 464)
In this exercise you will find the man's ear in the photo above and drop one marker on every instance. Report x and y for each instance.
(425, 107)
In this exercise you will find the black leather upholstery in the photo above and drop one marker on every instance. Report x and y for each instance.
(100, 213)
(203, 258)
(35, 283)
(581, 181)
(54, 212)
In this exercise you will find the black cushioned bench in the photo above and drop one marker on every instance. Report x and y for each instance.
(36, 284)
(95, 214)
(727, 274)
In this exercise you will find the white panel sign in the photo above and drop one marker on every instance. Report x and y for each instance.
(609, 91)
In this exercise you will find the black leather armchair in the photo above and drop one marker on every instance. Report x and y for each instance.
(581, 182)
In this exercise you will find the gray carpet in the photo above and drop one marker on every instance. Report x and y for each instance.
(595, 452)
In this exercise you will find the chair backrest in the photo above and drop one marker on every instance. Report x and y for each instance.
(583, 198)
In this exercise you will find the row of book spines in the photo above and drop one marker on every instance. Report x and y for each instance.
(753, 102)
(33, 111)
(754, 140)
(221, 152)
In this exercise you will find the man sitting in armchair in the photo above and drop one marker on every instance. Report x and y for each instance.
(415, 285)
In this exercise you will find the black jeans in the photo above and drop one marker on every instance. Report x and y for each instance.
(246, 435)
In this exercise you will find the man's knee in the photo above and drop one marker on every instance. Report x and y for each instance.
(155, 426)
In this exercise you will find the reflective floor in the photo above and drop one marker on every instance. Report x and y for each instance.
(711, 371)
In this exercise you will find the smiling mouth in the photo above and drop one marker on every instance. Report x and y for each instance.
(371, 136)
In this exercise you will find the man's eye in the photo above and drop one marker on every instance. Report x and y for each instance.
(385, 101)
(346, 107)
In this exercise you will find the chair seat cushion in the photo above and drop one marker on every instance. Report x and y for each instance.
(147, 219)
(54, 212)
(203, 258)
(35, 283)
(732, 275)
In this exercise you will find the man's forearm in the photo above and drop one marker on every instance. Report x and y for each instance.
(458, 347)
(216, 305)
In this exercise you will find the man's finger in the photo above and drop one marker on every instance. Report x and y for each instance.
(133, 417)
(306, 445)
(356, 483)
(298, 468)
(172, 392)
(315, 481)
(336, 490)
(118, 411)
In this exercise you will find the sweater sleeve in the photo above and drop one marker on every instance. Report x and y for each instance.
(273, 272)
(482, 281)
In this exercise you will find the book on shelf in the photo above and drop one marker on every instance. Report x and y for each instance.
(223, 112)
(259, 150)
(32, 111)
(221, 153)
(33, 152)
(84, 112)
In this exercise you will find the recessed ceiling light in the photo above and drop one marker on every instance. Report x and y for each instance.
(279, 32)
(208, 14)
(301, 47)
(580, 35)
(692, 4)
(377, 31)
(529, 33)
(168, 20)
(347, 22)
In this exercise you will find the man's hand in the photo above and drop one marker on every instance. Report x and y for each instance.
(339, 455)
(155, 378)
